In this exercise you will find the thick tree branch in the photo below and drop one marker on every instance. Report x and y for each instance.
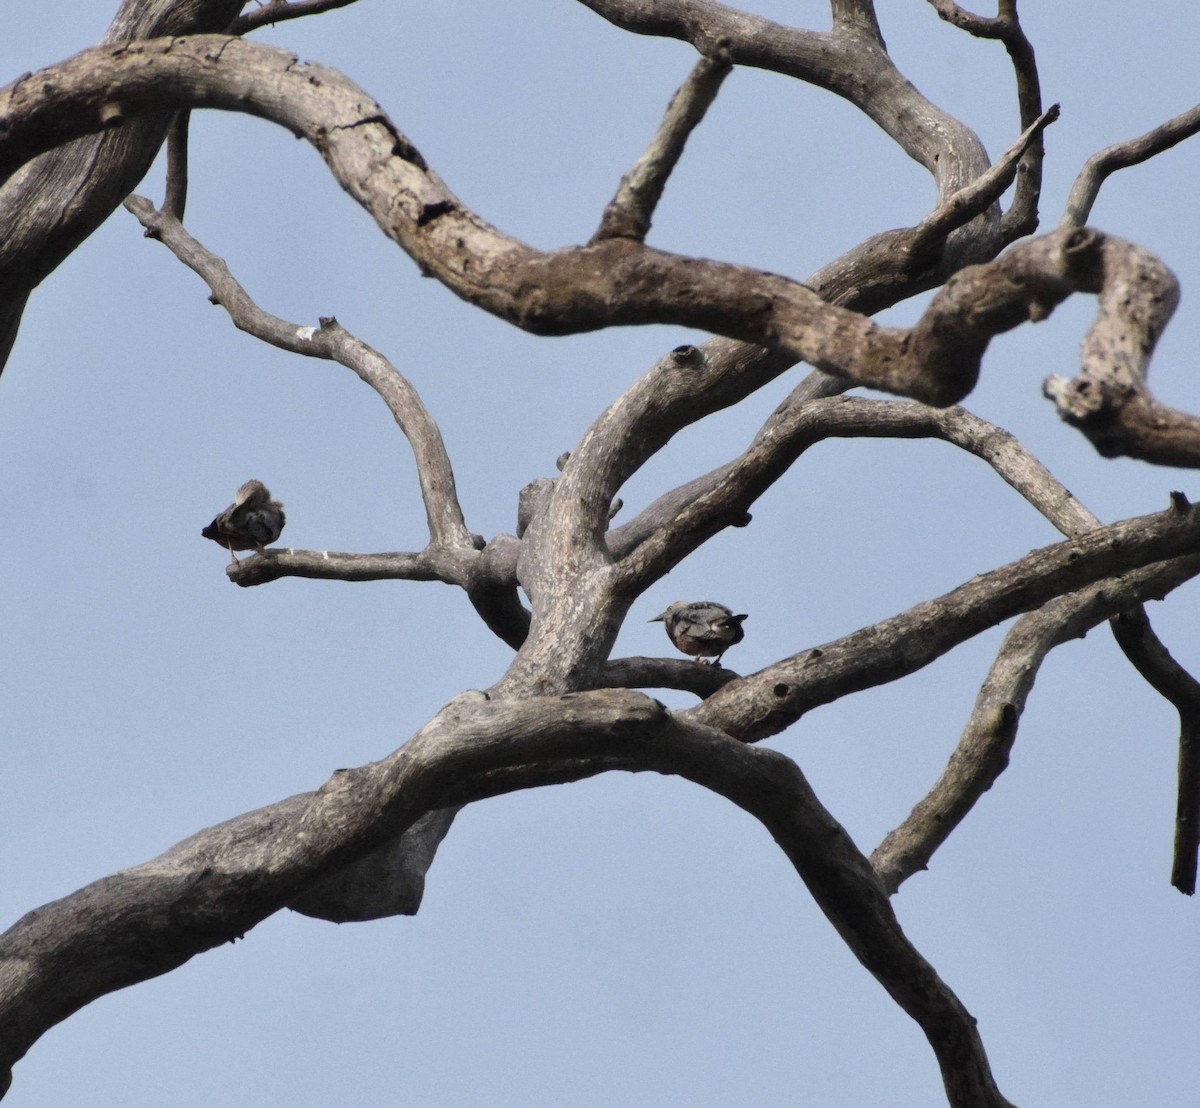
(612, 283)
(764, 703)
(1100, 166)
(213, 887)
(59, 200)
(1109, 400)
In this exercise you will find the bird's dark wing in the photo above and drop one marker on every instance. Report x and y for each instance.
(700, 617)
(260, 525)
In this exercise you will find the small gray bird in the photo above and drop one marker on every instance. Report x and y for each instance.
(251, 522)
(702, 628)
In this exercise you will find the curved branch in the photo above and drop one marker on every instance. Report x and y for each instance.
(849, 61)
(1100, 166)
(1109, 400)
(1022, 218)
(766, 702)
(1170, 680)
(213, 887)
(982, 751)
(61, 199)
(704, 506)
(614, 282)
(442, 509)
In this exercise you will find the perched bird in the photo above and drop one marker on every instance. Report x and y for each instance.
(702, 628)
(251, 522)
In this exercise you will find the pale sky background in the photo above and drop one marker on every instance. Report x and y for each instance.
(628, 940)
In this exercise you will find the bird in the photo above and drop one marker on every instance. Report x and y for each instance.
(702, 628)
(251, 522)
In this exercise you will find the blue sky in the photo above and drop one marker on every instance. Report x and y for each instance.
(629, 939)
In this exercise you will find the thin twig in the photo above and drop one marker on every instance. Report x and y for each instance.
(330, 341)
(1099, 166)
(1022, 216)
(1167, 677)
(629, 212)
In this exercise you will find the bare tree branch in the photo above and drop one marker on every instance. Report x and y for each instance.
(60, 199)
(849, 62)
(1022, 217)
(216, 885)
(709, 503)
(629, 212)
(764, 703)
(930, 234)
(849, 417)
(332, 341)
(665, 673)
(983, 750)
(175, 198)
(430, 564)
(279, 11)
(1109, 400)
(1166, 676)
(615, 282)
(1100, 166)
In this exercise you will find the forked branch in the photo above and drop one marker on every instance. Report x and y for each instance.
(983, 750)
(766, 702)
(1021, 219)
(333, 342)
(218, 884)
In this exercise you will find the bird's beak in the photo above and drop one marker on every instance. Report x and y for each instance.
(657, 619)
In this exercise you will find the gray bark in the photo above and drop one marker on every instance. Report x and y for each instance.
(75, 140)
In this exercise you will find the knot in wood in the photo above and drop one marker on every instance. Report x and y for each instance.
(688, 355)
